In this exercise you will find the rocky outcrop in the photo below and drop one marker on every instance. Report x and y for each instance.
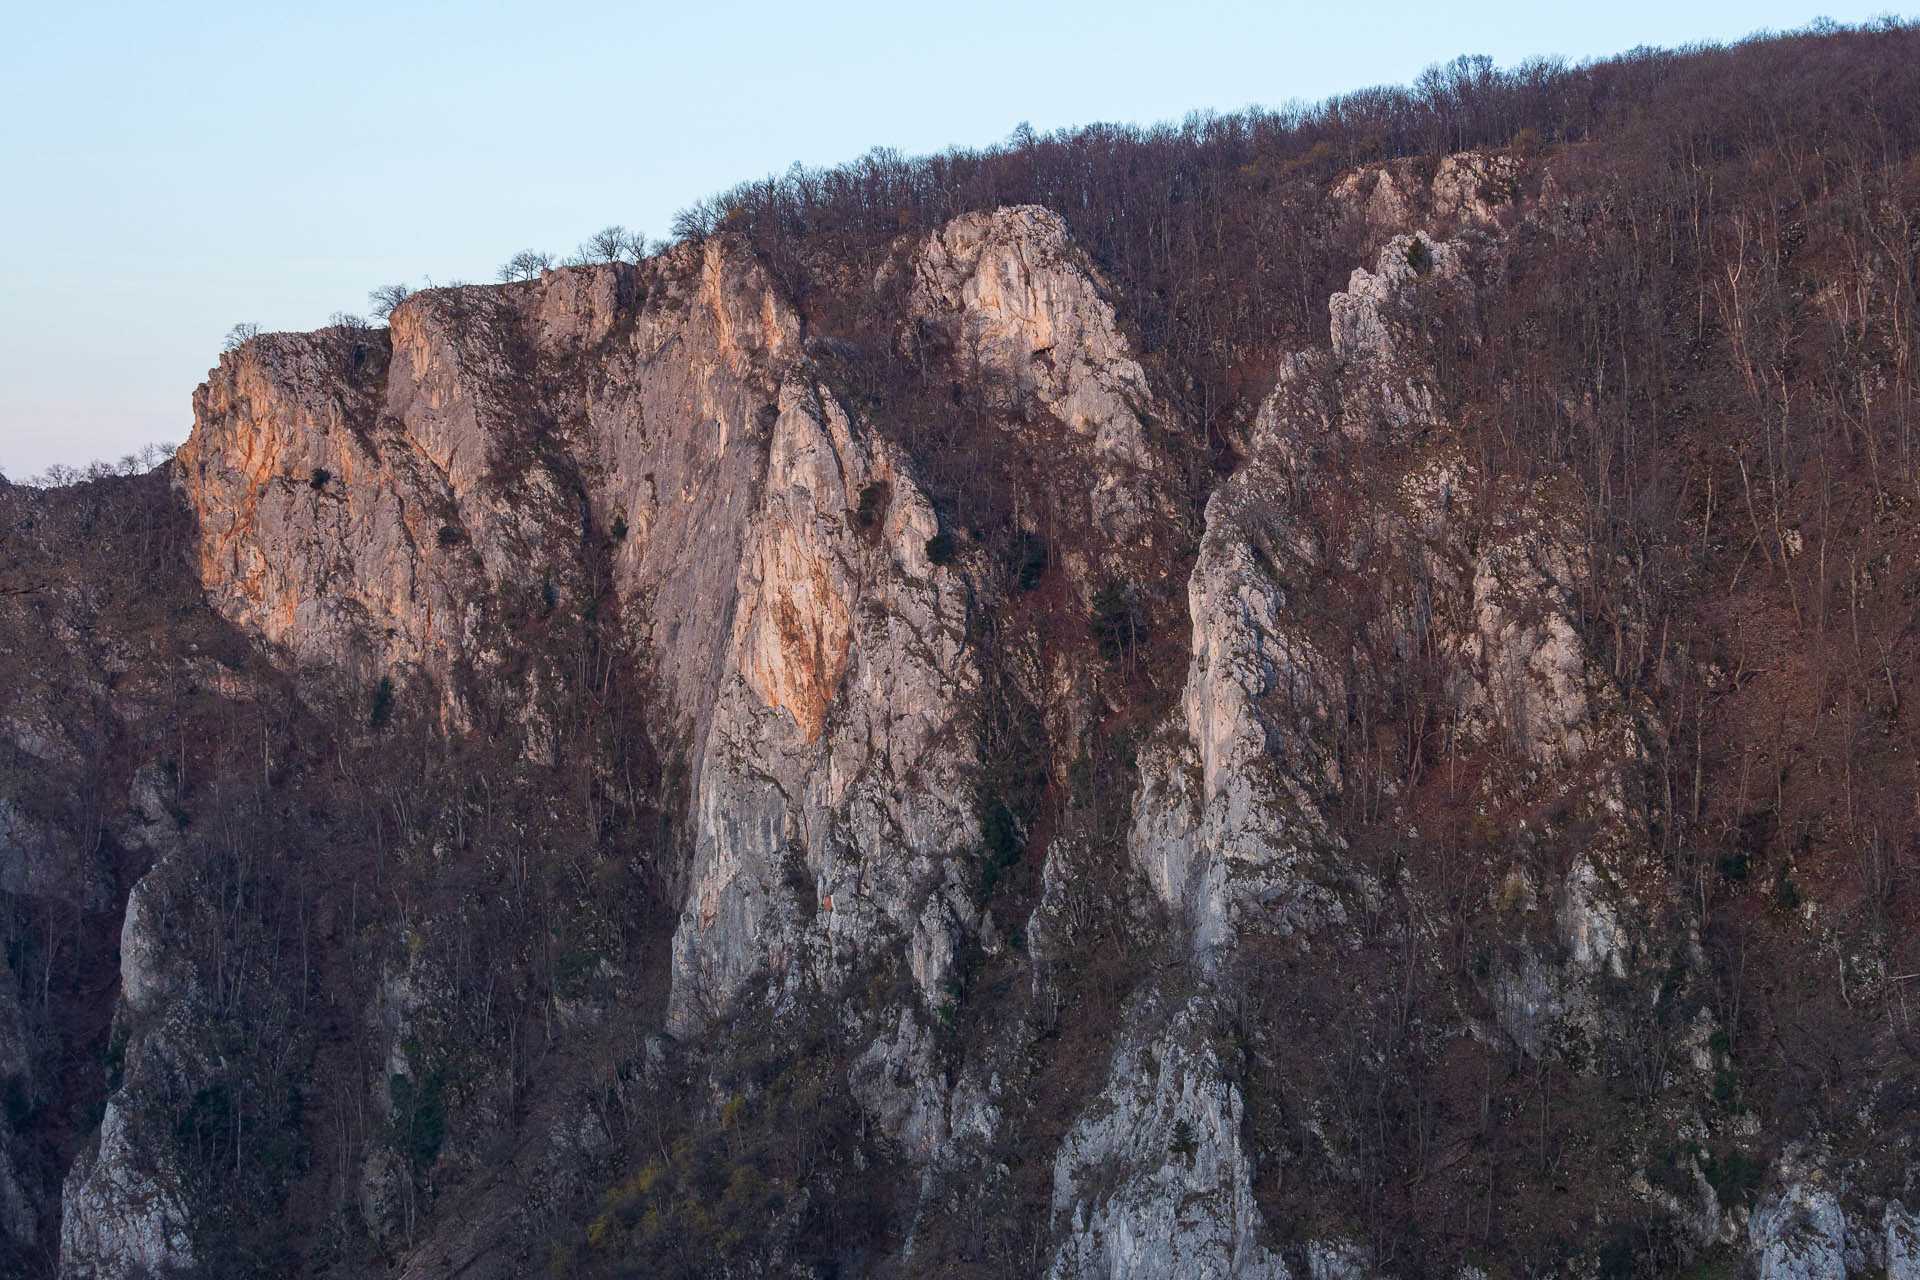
(767, 555)
(1808, 1227)
(1228, 807)
(772, 554)
(1231, 825)
(832, 787)
(1467, 190)
(372, 499)
(661, 452)
(1154, 1178)
(1233, 793)
(310, 536)
(1902, 1242)
(126, 1208)
(124, 1212)
(1032, 315)
(1799, 1232)
(1035, 316)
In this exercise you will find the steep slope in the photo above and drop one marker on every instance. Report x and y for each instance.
(127, 701)
(965, 742)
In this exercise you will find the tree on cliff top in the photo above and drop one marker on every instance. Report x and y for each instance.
(525, 265)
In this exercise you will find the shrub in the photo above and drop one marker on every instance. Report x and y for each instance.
(16, 1102)
(449, 536)
(1786, 894)
(382, 710)
(1735, 1177)
(419, 1115)
(1183, 1144)
(1030, 560)
(319, 478)
(1001, 844)
(940, 549)
(873, 503)
(1116, 621)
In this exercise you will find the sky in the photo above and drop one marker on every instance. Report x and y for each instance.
(168, 171)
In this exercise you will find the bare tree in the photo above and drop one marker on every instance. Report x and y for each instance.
(57, 476)
(697, 221)
(383, 300)
(239, 334)
(614, 244)
(525, 265)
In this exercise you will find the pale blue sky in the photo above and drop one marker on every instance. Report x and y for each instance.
(172, 169)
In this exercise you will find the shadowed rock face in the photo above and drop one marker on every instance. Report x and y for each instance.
(835, 672)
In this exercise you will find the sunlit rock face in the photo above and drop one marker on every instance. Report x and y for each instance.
(378, 501)
(830, 659)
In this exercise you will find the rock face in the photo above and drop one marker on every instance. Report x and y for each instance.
(127, 1206)
(1124, 845)
(1032, 314)
(831, 786)
(806, 647)
(1467, 191)
(1799, 1231)
(1231, 824)
(368, 491)
(1902, 1242)
(121, 1214)
(1172, 1126)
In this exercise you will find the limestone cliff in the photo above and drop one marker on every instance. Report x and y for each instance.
(684, 779)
